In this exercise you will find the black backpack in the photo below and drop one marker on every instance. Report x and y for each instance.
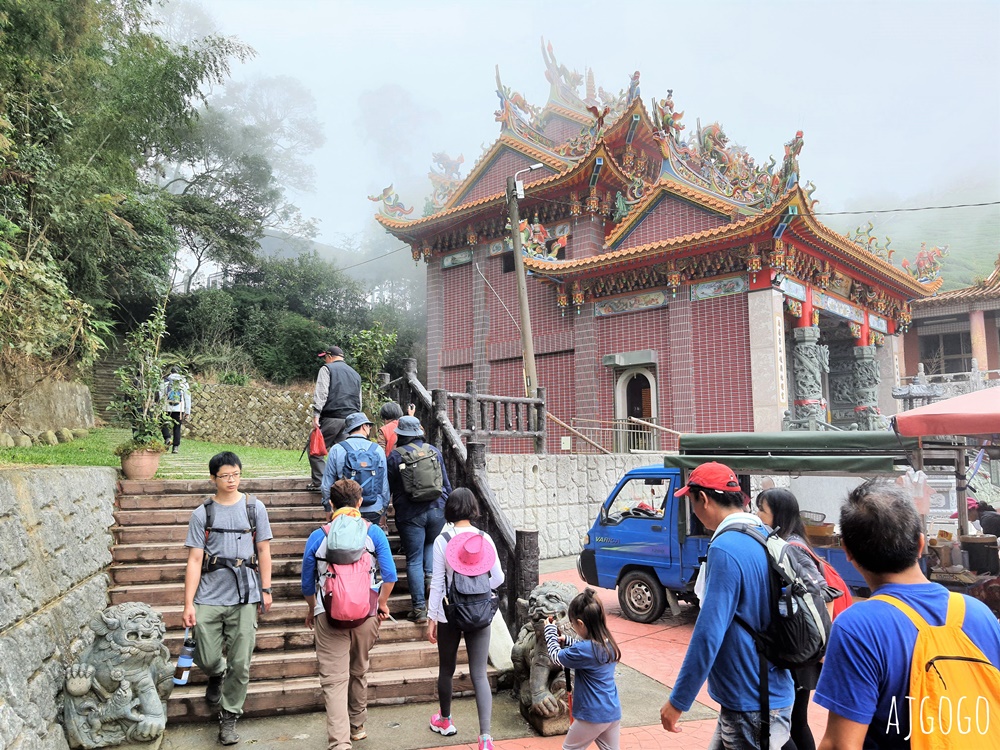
(469, 603)
(799, 625)
(238, 567)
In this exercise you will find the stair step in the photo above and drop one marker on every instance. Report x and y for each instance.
(173, 572)
(191, 500)
(205, 487)
(161, 593)
(176, 551)
(312, 514)
(276, 665)
(282, 611)
(178, 532)
(397, 632)
(301, 694)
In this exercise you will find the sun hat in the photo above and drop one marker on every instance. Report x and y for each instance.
(354, 421)
(470, 554)
(711, 476)
(972, 504)
(409, 427)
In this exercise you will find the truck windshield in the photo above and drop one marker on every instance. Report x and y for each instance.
(639, 498)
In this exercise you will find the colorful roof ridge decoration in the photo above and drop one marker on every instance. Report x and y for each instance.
(446, 178)
(743, 228)
(640, 158)
(985, 290)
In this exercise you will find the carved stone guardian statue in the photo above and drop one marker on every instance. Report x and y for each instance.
(541, 686)
(116, 692)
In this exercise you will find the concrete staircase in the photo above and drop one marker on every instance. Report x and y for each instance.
(149, 561)
(104, 387)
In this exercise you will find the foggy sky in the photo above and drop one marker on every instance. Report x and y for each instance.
(899, 101)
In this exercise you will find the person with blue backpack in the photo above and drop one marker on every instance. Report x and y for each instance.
(362, 460)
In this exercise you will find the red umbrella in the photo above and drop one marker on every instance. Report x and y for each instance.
(976, 413)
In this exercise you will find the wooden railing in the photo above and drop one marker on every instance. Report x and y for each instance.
(484, 416)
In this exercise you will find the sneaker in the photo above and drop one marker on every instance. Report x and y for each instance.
(485, 742)
(227, 728)
(443, 725)
(418, 616)
(175, 449)
(213, 693)
(312, 487)
(358, 733)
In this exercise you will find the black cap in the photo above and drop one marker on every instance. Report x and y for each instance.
(332, 351)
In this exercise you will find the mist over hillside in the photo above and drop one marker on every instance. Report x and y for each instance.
(972, 234)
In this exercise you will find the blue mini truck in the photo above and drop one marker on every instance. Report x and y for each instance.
(649, 545)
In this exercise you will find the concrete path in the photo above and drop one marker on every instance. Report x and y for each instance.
(651, 658)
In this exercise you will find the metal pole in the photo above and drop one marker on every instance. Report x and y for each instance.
(527, 343)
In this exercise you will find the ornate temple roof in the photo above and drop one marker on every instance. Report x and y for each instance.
(612, 142)
(987, 291)
(848, 253)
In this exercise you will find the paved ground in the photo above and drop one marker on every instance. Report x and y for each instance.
(651, 658)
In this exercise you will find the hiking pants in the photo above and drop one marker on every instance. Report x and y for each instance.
(233, 628)
(175, 417)
(582, 733)
(333, 432)
(418, 533)
(343, 675)
(477, 644)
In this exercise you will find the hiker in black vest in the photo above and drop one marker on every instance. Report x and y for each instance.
(419, 486)
(338, 395)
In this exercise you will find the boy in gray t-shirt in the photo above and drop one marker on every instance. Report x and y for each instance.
(224, 586)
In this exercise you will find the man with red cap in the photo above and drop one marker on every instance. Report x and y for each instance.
(732, 583)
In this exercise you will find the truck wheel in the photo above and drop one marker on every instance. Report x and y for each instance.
(641, 596)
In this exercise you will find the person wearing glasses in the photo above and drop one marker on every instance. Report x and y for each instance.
(227, 580)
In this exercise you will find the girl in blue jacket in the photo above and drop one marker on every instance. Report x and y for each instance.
(597, 711)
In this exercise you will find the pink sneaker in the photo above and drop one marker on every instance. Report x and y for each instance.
(444, 726)
(485, 742)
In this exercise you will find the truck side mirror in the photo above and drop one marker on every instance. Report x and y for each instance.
(604, 515)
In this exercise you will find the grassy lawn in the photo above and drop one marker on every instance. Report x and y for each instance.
(97, 449)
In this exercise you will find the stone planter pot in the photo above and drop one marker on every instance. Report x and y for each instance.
(140, 464)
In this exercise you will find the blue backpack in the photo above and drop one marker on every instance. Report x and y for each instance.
(360, 464)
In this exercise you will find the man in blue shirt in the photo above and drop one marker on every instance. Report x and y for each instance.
(366, 455)
(343, 652)
(865, 681)
(735, 583)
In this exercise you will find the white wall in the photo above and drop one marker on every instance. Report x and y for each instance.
(557, 495)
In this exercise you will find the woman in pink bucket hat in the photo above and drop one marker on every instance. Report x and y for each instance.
(461, 548)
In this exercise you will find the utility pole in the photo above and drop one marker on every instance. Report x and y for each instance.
(527, 343)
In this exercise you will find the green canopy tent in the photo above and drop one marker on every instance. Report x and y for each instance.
(850, 453)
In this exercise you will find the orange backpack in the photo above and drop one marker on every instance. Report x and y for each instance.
(954, 694)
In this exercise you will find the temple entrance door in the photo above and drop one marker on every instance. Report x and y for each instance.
(635, 396)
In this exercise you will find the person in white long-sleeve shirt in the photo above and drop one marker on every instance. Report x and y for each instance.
(478, 555)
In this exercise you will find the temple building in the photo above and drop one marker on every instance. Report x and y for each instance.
(952, 330)
(670, 276)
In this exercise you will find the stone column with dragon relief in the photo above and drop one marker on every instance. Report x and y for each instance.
(866, 381)
(809, 361)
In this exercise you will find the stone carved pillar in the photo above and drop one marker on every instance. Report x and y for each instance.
(809, 361)
(866, 382)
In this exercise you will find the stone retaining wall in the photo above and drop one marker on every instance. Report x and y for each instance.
(49, 406)
(250, 415)
(557, 495)
(54, 547)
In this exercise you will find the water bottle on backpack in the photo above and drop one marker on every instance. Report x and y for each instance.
(185, 659)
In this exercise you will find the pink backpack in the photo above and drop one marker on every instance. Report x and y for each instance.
(348, 596)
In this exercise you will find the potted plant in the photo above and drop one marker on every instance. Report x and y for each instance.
(138, 403)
